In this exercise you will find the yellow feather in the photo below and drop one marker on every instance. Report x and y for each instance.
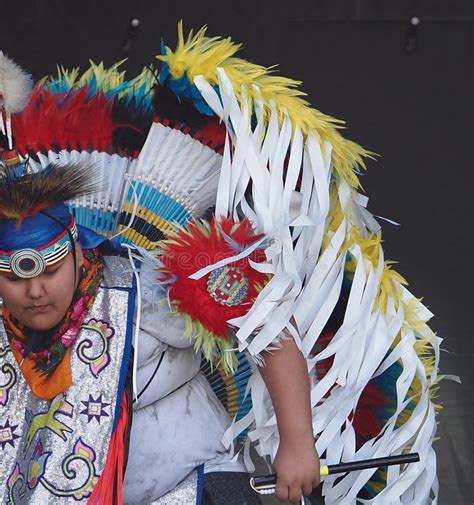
(202, 55)
(106, 78)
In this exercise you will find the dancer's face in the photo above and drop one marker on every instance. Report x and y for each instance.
(40, 303)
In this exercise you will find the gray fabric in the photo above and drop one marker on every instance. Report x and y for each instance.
(228, 488)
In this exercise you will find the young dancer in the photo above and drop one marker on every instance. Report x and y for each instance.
(285, 291)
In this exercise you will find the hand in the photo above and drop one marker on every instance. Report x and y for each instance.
(297, 470)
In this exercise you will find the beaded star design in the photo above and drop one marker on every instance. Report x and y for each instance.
(95, 408)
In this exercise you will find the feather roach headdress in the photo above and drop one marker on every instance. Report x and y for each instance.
(25, 196)
(36, 227)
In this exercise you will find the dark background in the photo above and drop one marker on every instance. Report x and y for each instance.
(414, 109)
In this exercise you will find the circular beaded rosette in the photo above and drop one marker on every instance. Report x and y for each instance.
(228, 285)
(27, 263)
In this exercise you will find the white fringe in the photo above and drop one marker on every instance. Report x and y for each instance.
(306, 284)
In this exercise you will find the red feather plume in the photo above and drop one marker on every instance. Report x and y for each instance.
(201, 245)
(72, 120)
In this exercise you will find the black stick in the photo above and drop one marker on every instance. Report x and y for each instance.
(266, 481)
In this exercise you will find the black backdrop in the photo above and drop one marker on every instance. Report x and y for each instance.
(414, 109)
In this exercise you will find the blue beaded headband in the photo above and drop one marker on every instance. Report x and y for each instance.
(28, 262)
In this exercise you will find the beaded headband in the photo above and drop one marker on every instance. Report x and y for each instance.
(29, 262)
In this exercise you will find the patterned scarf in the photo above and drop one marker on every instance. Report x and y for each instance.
(48, 348)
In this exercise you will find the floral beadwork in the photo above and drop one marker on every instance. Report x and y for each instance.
(11, 377)
(16, 477)
(37, 465)
(105, 332)
(81, 453)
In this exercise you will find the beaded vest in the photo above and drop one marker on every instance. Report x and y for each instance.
(54, 451)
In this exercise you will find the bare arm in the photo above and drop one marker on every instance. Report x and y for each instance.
(296, 464)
